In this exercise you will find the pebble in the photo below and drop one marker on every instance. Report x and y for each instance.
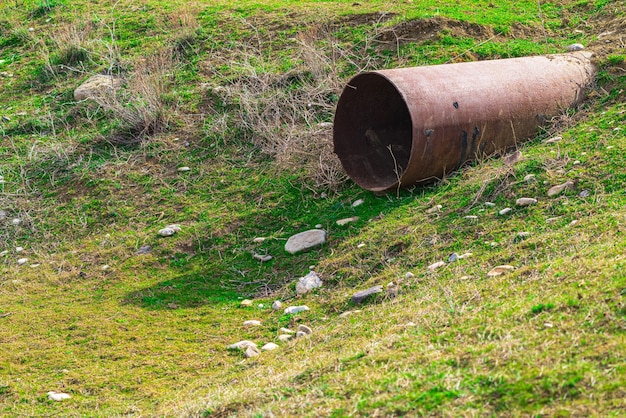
(497, 271)
(3, 253)
(490, 204)
(307, 283)
(262, 257)
(19, 249)
(522, 235)
(559, 188)
(241, 345)
(144, 249)
(296, 309)
(246, 302)
(554, 139)
(361, 245)
(287, 331)
(471, 217)
(251, 351)
(300, 334)
(3, 214)
(259, 240)
(505, 211)
(319, 226)
(325, 124)
(584, 193)
(22, 261)
(305, 329)
(513, 158)
(16, 221)
(346, 221)
(269, 347)
(575, 47)
(436, 265)
(285, 337)
(305, 240)
(169, 230)
(105, 267)
(184, 169)
(58, 396)
(434, 209)
(358, 202)
(408, 275)
(465, 255)
(525, 201)
(252, 323)
(277, 305)
(348, 313)
(361, 296)
(529, 177)
(453, 257)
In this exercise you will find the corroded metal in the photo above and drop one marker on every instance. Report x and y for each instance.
(397, 128)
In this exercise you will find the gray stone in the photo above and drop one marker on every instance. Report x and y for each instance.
(453, 257)
(305, 329)
(277, 305)
(241, 345)
(252, 351)
(300, 334)
(96, 86)
(269, 347)
(285, 337)
(525, 201)
(346, 221)
(559, 188)
(363, 295)
(584, 193)
(305, 240)
(575, 47)
(505, 211)
(296, 309)
(144, 249)
(263, 258)
(307, 283)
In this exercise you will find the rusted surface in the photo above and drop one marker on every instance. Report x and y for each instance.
(408, 126)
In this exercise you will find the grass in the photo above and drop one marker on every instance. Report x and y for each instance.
(145, 334)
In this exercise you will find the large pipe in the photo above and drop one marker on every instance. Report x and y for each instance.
(402, 127)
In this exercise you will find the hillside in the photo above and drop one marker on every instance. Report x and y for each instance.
(222, 126)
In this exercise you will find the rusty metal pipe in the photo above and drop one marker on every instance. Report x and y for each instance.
(397, 128)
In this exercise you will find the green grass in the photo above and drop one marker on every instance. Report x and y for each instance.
(147, 334)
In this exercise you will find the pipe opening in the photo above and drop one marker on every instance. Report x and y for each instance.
(373, 132)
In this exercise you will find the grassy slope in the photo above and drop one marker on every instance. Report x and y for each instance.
(147, 336)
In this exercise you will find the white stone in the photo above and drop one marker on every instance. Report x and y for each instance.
(497, 271)
(554, 139)
(471, 217)
(251, 351)
(346, 221)
(409, 275)
(105, 267)
(22, 261)
(575, 47)
(166, 232)
(285, 337)
(97, 86)
(3, 253)
(16, 221)
(262, 257)
(305, 329)
(490, 204)
(58, 396)
(307, 283)
(529, 177)
(436, 265)
(277, 305)
(505, 211)
(305, 240)
(358, 202)
(259, 240)
(361, 245)
(184, 169)
(319, 226)
(525, 201)
(434, 209)
(465, 255)
(301, 334)
(241, 345)
(19, 249)
(269, 347)
(559, 188)
(252, 323)
(246, 302)
(296, 309)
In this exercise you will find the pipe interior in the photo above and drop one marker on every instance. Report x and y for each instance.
(373, 132)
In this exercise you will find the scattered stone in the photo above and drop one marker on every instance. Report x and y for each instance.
(345, 221)
(505, 211)
(325, 124)
(169, 230)
(574, 222)
(269, 347)
(358, 202)
(252, 323)
(184, 169)
(360, 297)
(245, 303)
(513, 158)
(575, 47)
(525, 201)
(548, 325)
(300, 334)
(105, 267)
(305, 240)
(497, 271)
(3, 253)
(97, 86)
(490, 204)
(3, 214)
(19, 249)
(241, 345)
(436, 265)
(522, 235)
(277, 305)
(305, 329)
(348, 313)
(173, 305)
(577, 162)
(408, 275)
(559, 188)
(319, 226)
(361, 245)
(465, 255)
(144, 249)
(296, 309)
(251, 351)
(287, 331)
(285, 337)
(584, 193)
(262, 257)
(16, 221)
(259, 240)
(529, 177)
(453, 257)
(471, 217)
(554, 139)
(307, 283)
(434, 209)
(22, 261)
(34, 266)
(392, 290)
(58, 396)
(260, 305)
(465, 277)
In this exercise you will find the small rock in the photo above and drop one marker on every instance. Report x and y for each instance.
(348, 313)
(522, 235)
(296, 309)
(3, 214)
(19, 249)
(97, 86)
(513, 158)
(505, 211)
(392, 290)
(259, 240)
(360, 297)
(285, 337)
(166, 232)
(184, 169)
(241, 345)
(3, 253)
(554, 139)
(559, 188)
(490, 204)
(529, 177)
(548, 325)
(262, 257)
(345, 221)
(361, 245)
(34, 266)
(277, 305)
(465, 255)
(525, 201)
(358, 202)
(408, 275)
(325, 124)
(173, 306)
(436, 265)
(434, 209)
(575, 47)
(105, 267)
(305, 329)
(252, 323)
(471, 217)
(251, 351)
(269, 347)
(301, 334)
(286, 331)
(144, 249)
(453, 257)
(246, 302)
(58, 396)
(319, 226)
(497, 271)
(305, 240)
(307, 283)
(22, 261)
(584, 193)
(16, 221)
(175, 227)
